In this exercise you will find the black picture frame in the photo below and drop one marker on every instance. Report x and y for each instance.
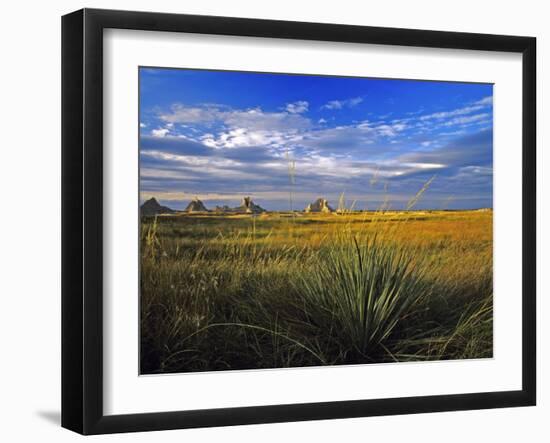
(82, 218)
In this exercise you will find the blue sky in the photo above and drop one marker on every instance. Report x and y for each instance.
(223, 135)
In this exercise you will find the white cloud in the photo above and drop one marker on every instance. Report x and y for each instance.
(334, 104)
(348, 138)
(155, 174)
(476, 106)
(161, 132)
(485, 101)
(339, 104)
(448, 114)
(142, 125)
(184, 167)
(354, 101)
(192, 160)
(335, 167)
(297, 107)
(467, 119)
(242, 137)
(390, 130)
(482, 170)
(184, 114)
(187, 166)
(321, 121)
(252, 119)
(459, 132)
(256, 119)
(386, 131)
(399, 126)
(422, 166)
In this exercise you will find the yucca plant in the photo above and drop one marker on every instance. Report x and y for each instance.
(362, 288)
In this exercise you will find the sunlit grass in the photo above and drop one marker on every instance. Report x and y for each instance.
(279, 290)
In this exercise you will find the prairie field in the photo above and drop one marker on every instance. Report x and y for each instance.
(272, 290)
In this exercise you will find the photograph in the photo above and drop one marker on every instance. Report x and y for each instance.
(296, 220)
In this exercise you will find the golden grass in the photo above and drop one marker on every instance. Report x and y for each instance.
(203, 275)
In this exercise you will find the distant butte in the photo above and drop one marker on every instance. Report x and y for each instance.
(153, 207)
(319, 205)
(247, 207)
(196, 205)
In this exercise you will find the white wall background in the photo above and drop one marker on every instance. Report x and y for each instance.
(30, 218)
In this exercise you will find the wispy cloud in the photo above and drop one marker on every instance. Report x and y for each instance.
(340, 104)
(244, 137)
(485, 101)
(253, 119)
(297, 107)
(455, 112)
(160, 132)
(468, 119)
(390, 130)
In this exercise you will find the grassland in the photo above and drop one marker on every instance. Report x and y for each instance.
(274, 290)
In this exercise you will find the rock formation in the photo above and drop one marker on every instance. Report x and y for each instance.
(153, 207)
(319, 205)
(249, 207)
(196, 205)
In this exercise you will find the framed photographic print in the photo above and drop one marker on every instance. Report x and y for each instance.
(270, 221)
